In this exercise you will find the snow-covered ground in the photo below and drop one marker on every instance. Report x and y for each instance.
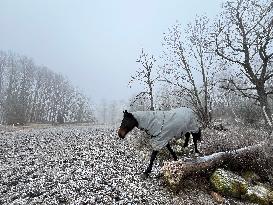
(83, 165)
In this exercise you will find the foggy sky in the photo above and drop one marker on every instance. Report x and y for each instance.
(94, 43)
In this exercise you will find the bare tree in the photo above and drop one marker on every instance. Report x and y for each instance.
(139, 103)
(82, 109)
(165, 99)
(12, 108)
(169, 97)
(3, 65)
(103, 111)
(244, 39)
(3, 79)
(145, 75)
(113, 112)
(30, 93)
(186, 59)
(25, 66)
(40, 95)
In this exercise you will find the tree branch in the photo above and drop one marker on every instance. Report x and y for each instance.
(240, 90)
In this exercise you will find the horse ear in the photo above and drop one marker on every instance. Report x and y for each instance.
(125, 111)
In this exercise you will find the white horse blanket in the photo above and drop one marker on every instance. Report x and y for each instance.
(163, 126)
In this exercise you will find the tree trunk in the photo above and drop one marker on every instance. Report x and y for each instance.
(152, 101)
(174, 172)
(264, 102)
(206, 116)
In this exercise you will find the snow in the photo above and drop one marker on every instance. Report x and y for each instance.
(81, 165)
(71, 165)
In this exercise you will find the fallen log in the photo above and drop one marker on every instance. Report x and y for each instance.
(174, 172)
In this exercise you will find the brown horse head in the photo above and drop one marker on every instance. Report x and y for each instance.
(127, 124)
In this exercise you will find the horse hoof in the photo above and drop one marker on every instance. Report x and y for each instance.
(144, 175)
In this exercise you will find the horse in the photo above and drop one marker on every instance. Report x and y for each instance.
(162, 127)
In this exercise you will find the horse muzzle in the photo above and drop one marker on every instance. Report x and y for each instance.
(121, 133)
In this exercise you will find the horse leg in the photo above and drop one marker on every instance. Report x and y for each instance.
(196, 137)
(171, 151)
(149, 168)
(187, 135)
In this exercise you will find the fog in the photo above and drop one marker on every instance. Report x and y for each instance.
(94, 43)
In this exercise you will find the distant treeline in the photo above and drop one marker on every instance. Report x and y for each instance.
(31, 93)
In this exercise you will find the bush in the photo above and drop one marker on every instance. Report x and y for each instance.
(250, 113)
